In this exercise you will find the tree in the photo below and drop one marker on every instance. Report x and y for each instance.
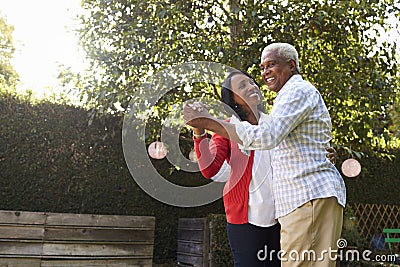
(394, 112)
(128, 40)
(8, 76)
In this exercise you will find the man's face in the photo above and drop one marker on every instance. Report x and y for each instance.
(276, 70)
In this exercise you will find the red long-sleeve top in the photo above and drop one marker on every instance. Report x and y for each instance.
(211, 155)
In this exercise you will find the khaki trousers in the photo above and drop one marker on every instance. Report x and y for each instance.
(309, 234)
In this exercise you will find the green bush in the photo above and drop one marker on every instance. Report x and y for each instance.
(350, 230)
(221, 254)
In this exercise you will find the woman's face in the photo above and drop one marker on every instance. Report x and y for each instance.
(246, 92)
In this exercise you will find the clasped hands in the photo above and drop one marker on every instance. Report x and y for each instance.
(195, 113)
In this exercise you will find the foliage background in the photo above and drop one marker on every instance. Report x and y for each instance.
(50, 160)
(8, 76)
(127, 41)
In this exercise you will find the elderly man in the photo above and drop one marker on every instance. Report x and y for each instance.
(308, 190)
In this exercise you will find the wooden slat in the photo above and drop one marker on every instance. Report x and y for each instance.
(192, 223)
(66, 219)
(82, 249)
(18, 262)
(19, 217)
(194, 235)
(26, 232)
(103, 263)
(20, 248)
(192, 248)
(391, 231)
(189, 260)
(392, 240)
(98, 234)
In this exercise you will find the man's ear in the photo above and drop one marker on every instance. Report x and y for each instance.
(293, 67)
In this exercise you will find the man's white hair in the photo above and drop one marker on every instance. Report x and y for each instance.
(285, 50)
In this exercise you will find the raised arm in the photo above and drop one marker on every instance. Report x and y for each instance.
(201, 118)
(212, 154)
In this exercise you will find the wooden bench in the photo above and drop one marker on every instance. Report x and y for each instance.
(60, 239)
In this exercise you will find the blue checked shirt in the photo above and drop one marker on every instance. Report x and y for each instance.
(297, 131)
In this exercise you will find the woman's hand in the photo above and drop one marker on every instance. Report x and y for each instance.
(199, 132)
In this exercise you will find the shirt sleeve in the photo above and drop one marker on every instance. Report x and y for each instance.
(212, 154)
(223, 174)
(290, 109)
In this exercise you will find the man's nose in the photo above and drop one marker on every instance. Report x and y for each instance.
(264, 72)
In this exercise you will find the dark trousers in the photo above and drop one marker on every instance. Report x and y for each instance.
(252, 246)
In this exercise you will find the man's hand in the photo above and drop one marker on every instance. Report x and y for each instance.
(331, 154)
(195, 114)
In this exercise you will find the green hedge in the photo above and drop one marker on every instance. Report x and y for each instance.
(219, 245)
(51, 160)
(379, 181)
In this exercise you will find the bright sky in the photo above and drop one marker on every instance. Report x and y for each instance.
(43, 39)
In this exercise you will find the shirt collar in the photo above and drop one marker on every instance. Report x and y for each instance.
(293, 79)
(263, 117)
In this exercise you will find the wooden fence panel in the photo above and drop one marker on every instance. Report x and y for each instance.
(373, 218)
(57, 239)
(193, 242)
